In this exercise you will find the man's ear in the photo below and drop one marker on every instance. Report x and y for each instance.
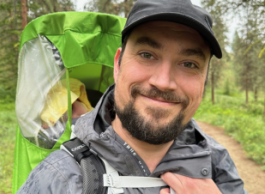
(116, 64)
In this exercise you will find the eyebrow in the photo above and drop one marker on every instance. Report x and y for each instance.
(194, 52)
(148, 41)
(186, 52)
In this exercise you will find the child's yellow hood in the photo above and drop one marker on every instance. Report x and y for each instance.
(56, 102)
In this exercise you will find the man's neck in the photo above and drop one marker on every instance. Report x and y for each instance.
(151, 154)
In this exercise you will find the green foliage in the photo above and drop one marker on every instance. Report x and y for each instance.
(243, 122)
(220, 29)
(9, 41)
(247, 47)
(41, 7)
(248, 44)
(227, 87)
(261, 52)
(7, 134)
(115, 7)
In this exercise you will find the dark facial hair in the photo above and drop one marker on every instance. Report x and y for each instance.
(144, 130)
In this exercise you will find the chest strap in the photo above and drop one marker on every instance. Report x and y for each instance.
(116, 183)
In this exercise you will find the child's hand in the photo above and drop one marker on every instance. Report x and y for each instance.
(78, 109)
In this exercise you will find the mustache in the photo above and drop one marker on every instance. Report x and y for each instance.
(154, 92)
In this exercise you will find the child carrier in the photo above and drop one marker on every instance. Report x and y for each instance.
(65, 64)
(65, 60)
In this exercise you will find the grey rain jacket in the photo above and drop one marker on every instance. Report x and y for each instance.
(193, 154)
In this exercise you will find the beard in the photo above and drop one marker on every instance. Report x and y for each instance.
(149, 130)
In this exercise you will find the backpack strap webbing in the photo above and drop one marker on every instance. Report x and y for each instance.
(92, 167)
(115, 182)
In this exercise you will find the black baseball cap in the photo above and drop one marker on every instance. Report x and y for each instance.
(179, 11)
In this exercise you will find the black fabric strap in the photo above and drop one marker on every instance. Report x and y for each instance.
(91, 166)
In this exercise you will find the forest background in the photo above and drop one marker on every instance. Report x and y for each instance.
(234, 95)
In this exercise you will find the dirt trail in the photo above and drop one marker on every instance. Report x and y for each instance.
(249, 171)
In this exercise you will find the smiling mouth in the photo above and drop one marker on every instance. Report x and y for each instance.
(160, 100)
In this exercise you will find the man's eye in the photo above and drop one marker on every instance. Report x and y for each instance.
(147, 55)
(189, 65)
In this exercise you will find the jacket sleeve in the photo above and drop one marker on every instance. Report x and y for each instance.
(224, 171)
(58, 173)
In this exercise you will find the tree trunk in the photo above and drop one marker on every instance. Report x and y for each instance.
(264, 108)
(24, 13)
(54, 6)
(15, 14)
(12, 26)
(212, 82)
(256, 94)
(104, 8)
(125, 4)
(247, 86)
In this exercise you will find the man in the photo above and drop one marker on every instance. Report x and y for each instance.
(143, 125)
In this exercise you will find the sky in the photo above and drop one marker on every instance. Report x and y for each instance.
(196, 2)
(232, 24)
(80, 4)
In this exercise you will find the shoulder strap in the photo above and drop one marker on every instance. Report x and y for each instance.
(76, 148)
(91, 166)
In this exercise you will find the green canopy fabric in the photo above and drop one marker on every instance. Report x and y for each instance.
(87, 43)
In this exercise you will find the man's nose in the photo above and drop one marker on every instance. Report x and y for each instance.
(163, 77)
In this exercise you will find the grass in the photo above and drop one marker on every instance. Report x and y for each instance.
(7, 134)
(244, 122)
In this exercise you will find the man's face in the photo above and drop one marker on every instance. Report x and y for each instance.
(160, 81)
